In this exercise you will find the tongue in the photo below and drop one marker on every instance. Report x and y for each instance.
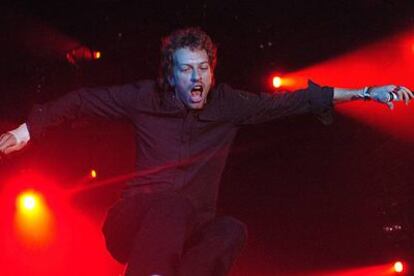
(196, 96)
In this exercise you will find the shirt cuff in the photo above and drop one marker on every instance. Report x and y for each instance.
(21, 134)
(321, 100)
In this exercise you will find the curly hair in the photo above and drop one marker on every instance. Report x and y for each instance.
(193, 38)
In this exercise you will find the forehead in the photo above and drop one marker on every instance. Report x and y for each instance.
(188, 56)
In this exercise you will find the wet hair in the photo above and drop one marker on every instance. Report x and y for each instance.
(193, 38)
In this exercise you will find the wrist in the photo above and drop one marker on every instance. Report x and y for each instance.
(361, 94)
(366, 95)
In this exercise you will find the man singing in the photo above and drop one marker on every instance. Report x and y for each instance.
(165, 223)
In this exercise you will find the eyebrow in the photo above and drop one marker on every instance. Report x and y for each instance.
(190, 64)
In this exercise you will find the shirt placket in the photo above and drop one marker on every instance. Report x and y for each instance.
(185, 139)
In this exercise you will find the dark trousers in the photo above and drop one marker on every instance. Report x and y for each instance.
(162, 234)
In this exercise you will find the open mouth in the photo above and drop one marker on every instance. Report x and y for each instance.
(197, 94)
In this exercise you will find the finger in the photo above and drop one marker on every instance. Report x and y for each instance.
(2, 143)
(9, 150)
(5, 136)
(395, 93)
(8, 142)
(393, 88)
(408, 91)
(403, 96)
(4, 140)
(407, 98)
(390, 105)
(13, 148)
(406, 95)
(2, 137)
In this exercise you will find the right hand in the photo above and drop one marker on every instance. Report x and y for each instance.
(382, 94)
(8, 143)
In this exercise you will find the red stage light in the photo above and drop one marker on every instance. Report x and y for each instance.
(97, 54)
(93, 173)
(28, 201)
(277, 82)
(398, 267)
(82, 53)
(287, 82)
(33, 219)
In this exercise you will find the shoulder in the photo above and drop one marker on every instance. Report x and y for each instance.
(141, 87)
(223, 88)
(224, 92)
(142, 90)
(135, 95)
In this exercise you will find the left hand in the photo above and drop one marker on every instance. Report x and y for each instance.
(389, 93)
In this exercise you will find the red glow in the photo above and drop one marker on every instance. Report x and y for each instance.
(82, 53)
(40, 39)
(378, 270)
(33, 219)
(73, 242)
(386, 62)
(288, 83)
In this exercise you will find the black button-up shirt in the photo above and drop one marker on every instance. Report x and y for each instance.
(180, 149)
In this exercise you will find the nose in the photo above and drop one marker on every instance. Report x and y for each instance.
(196, 76)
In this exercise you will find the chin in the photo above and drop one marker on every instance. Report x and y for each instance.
(196, 105)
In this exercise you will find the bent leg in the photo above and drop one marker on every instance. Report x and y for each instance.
(214, 248)
(158, 245)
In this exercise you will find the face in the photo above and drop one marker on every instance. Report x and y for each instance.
(191, 77)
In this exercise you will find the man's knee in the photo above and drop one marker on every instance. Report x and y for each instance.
(173, 206)
(234, 230)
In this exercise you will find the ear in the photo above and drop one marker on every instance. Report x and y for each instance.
(171, 80)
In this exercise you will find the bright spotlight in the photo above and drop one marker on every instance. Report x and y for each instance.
(93, 173)
(97, 54)
(277, 82)
(33, 219)
(28, 201)
(81, 54)
(398, 267)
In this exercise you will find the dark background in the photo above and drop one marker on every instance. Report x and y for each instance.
(313, 196)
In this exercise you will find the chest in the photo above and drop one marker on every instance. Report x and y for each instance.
(167, 132)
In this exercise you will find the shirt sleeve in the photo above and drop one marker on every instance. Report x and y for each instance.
(111, 103)
(21, 134)
(245, 108)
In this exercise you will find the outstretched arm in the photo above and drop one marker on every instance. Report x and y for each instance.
(113, 103)
(244, 108)
(382, 94)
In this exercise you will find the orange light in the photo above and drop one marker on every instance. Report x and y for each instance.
(93, 174)
(277, 82)
(96, 54)
(28, 201)
(398, 267)
(33, 219)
